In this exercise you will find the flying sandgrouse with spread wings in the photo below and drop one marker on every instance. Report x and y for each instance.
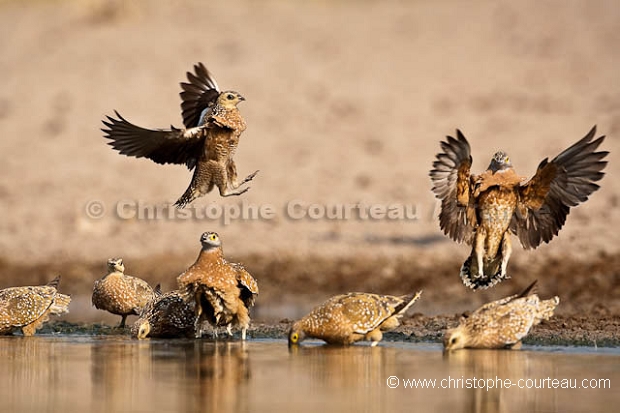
(213, 125)
(482, 210)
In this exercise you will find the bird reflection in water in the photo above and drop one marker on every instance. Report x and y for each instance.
(191, 375)
(493, 366)
(344, 374)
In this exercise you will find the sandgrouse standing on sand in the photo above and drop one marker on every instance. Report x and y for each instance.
(223, 291)
(168, 315)
(207, 144)
(121, 294)
(482, 210)
(345, 319)
(27, 308)
(502, 323)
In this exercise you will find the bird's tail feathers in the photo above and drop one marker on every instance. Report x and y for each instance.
(408, 301)
(469, 273)
(546, 308)
(60, 304)
(185, 199)
(55, 282)
(530, 289)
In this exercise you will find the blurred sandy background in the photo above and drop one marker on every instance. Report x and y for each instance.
(346, 102)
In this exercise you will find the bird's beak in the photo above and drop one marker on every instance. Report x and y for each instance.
(241, 98)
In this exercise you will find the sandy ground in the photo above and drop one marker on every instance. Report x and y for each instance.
(346, 104)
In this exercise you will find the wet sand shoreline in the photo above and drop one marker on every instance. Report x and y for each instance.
(558, 331)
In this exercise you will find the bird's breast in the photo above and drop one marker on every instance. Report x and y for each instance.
(496, 206)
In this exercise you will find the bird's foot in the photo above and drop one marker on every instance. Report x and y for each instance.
(243, 333)
(229, 330)
(249, 178)
(243, 191)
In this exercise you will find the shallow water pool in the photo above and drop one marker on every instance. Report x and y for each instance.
(116, 374)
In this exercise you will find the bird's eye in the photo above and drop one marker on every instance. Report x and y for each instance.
(453, 340)
(507, 159)
(294, 337)
(230, 96)
(213, 237)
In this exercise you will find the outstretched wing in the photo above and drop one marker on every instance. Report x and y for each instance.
(197, 95)
(566, 181)
(179, 146)
(451, 184)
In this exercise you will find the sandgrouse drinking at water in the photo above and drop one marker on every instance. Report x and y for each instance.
(345, 319)
(121, 294)
(27, 308)
(167, 315)
(223, 291)
(482, 210)
(502, 323)
(207, 144)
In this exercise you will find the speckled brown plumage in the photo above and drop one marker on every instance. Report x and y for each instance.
(213, 125)
(502, 323)
(345, 319)
(223, 291)
(170, 314)
(119, 293)
(482, 210)
(27, 308)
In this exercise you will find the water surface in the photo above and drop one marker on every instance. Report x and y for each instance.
(118, 374)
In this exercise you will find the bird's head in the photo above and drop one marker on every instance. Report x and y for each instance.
(229, 99)
(500, 162)
(296, 335)
(116, 265)
(455, 339)
(143, 330)
(210, 241)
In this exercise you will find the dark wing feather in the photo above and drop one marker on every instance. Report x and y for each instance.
(179, 146)
(451, 184)
(566, 181)
(197, 95)
(247, 285)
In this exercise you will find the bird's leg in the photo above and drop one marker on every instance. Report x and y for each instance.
(517, 345)
(222, 180)
(506, 252)
(243, 333)
(198, 321)
(231, 170)
(374, 336)
(229, 329)
(28, 330)
(224, 192)
(479, 250)
(122, 324)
